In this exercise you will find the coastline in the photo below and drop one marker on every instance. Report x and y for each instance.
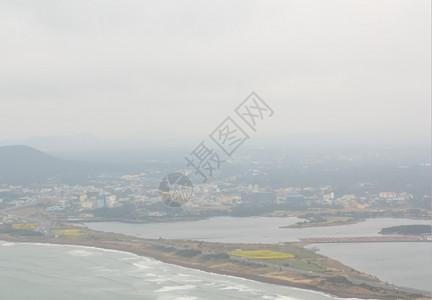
(167, 262)
(146, 249)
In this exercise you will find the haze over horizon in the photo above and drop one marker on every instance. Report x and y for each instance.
(262, 140)
(175, 70)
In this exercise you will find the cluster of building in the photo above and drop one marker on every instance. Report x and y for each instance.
(142, 191)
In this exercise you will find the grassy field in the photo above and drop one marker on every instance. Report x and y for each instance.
(301, 265)
(261, 254)
(323, 221)
(338, 219)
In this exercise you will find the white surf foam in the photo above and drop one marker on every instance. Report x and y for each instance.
(175, 288)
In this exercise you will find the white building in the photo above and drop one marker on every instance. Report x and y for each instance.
(111, 201)
(87, 205)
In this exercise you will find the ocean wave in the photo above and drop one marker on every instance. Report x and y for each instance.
(241, 288)
(159, 280)
(175, 288)
(81, 252)
(141, 266)
(278, 297)
(129, 254)
(7, 244)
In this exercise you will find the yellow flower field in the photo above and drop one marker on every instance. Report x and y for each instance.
(261, 254)
(24, 226)
(76, 232)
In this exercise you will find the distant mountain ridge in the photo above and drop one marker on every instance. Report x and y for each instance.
(20, 164)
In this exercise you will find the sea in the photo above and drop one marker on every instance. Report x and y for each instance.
(53, 272)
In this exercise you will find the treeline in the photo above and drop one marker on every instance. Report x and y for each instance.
(7, 228)
(407, 230)
(126, 211)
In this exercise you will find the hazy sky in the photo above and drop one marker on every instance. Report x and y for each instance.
(116, 68)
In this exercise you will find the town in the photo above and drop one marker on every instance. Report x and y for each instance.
(135, 198)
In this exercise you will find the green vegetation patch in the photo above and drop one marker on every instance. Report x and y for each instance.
(261, 254)
(303, 265)
(188, 252)
(8, 228)
(407, 230)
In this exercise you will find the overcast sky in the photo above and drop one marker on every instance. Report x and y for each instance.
(125, 68)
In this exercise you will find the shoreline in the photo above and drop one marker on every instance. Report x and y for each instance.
(167, 262)
(128, 252)
(188, 266)
(151, 251)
